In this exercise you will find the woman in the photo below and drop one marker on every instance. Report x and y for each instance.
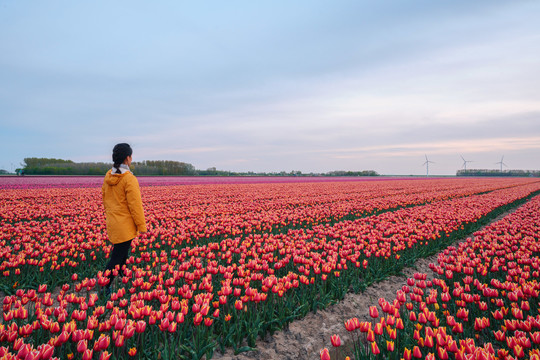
(123, 208)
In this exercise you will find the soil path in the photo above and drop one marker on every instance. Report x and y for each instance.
(306, 337)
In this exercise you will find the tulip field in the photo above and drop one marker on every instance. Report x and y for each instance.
(483, 302)
(224, 264)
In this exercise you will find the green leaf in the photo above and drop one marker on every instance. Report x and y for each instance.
(244, 349)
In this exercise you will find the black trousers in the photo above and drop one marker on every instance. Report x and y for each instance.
(119, 257)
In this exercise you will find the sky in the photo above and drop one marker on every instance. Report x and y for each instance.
(270, 86)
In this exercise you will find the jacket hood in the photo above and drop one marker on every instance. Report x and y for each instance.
(113, 179)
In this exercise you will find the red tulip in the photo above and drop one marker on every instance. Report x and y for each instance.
(197, 319)
(140, 326)
(335, 340)
(375, 349)
(325, 354)
(82, 345)
(373, 312)
(103, 342)
(119, 342)
(518, 351)
(442, 353)
(105, 355)
(370, 336)
(23, 351)
(350, 325)
(46, 351)
(87, 355)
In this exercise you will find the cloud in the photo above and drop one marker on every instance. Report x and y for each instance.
(306, 85)
(442, 147)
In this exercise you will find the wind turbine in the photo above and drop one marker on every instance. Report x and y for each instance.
(465, 162)
(427, 165)
(501, 162)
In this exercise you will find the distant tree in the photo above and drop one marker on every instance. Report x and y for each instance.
(498, 173)
(352, 173)
(51, 166)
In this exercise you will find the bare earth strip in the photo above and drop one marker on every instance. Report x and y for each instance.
(306, 337)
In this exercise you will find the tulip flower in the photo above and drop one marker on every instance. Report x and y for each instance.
(335, 340)
(350, 325)
(87, 354)
(373, 312)
(364, 326)
(378, 329)
(442, 353)
(374, 348)
(416, 352)
(535, 337)
(82, 345)
(23, 351)
(198, 319)
(250, 234)
(46, 352)
(407, 354)
(370, 336)
(325, 354)
(518, 351)
(140, 326)
(103, 342)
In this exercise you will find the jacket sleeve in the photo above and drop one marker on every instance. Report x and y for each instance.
(103, 195)
(133, 195)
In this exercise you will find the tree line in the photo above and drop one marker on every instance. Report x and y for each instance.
(493, 172)
(51, 166)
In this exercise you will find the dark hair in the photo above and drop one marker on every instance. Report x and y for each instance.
(119, 154)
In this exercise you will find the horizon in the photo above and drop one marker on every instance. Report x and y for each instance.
(269, 87)
(239, 173)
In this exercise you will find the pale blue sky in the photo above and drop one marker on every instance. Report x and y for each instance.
(273, 85)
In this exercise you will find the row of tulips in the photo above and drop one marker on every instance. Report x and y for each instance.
(483, 302)
(71, 181)
(58, 230)
(192, 299)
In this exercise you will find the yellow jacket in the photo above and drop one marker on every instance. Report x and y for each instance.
(123, 206)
